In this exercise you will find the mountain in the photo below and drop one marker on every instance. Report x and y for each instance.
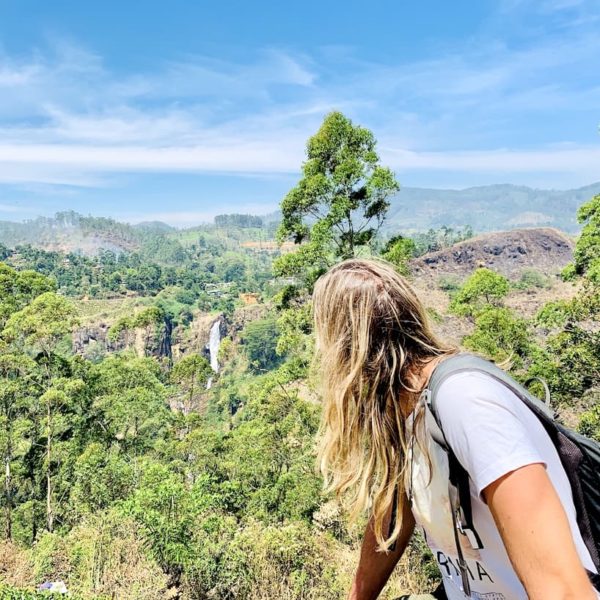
(487, 208)
(70, 231)
(154, 226)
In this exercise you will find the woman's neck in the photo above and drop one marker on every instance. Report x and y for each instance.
(418, 380)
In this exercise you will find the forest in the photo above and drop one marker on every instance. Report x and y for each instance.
(135, 472)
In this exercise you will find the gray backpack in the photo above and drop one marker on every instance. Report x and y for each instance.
(579, 455)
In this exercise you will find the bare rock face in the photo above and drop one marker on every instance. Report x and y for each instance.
(195, 337)
(92, 340)
(162, 341)
(508, 253)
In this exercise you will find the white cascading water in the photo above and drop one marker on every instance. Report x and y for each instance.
(214, 342)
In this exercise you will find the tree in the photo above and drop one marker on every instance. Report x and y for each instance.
(399, 250)
(191, 372)
(483, 288)
(39, 327)
(59, 398)
(18, 288)
(587, 250)
(131, 401)
(498, 333)
(43, 323)
(17, 388)
(260, 343)
(570, 359)
(340, 202)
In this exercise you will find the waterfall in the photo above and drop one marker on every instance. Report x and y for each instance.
(213, 348)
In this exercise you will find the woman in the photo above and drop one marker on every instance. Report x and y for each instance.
(377, 353)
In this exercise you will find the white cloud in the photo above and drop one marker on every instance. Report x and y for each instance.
(65, 119)
(14, 208)
(53, 163)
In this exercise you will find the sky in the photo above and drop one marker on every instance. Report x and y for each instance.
(180, 110)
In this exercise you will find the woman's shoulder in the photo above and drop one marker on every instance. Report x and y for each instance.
(472, 383)
(468, 395)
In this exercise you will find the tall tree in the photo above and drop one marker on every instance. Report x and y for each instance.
(17, 388)
(340, 202)
(39, 328)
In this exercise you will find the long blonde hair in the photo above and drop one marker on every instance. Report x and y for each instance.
(372, 334)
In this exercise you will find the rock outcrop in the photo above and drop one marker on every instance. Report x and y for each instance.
(509, 253)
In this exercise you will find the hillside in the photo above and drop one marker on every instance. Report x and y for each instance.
(485, 208)
(72, 232)
(507, 252)
(530, 258)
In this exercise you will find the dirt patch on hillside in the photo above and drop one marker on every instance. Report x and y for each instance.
(508, 252)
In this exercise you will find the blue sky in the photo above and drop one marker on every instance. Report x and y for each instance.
(182, 110)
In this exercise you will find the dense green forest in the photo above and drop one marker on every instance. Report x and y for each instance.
(126, 476)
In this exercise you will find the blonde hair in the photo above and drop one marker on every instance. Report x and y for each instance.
(372, 333)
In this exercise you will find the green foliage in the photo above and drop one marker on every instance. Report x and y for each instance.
(122, 324)
(102, 557)
(43, 322)
(131, 401)
(570, 358)
(295, 325)
(399, 250)
(589, 423)
(532, 279)
(340, 202)
(554, 314)
(569, 361)
(17, 289)
(101, 477)
(587, 250)
(500, 335)
(483, 288)
(260, 344)
(149, 316)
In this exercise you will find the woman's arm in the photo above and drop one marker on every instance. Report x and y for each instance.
(375, 568)
(537, 535)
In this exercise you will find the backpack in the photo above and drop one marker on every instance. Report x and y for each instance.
(579, 455)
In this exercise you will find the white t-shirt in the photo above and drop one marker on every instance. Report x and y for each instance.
(492, 432)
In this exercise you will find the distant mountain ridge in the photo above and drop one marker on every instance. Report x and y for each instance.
(485, 208)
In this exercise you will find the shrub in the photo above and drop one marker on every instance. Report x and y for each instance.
(532, 279)
(104, 556)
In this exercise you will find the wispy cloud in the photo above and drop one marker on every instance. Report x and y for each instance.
(486, 105)
(13, 208)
